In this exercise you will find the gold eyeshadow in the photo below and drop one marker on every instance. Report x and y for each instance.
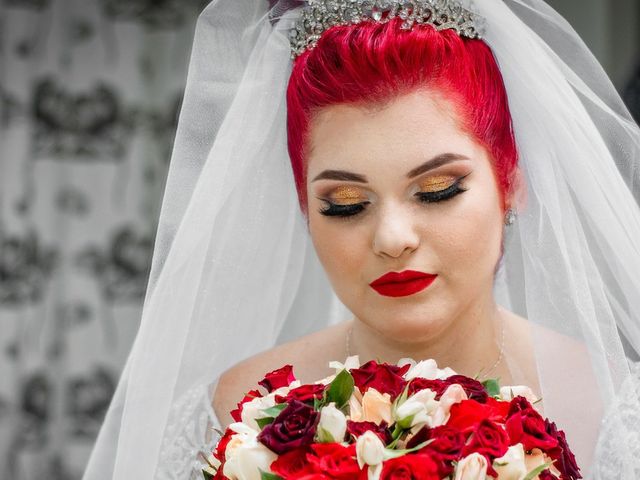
(346, 195)
(437, 183)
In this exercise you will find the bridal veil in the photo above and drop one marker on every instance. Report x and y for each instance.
(234, 270)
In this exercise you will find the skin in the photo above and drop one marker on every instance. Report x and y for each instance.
(456, 319)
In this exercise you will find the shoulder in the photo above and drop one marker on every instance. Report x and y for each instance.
(309, 356)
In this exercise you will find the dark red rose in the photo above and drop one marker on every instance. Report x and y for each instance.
(358, 428)
(383, 377)
(303, 393)
(445, 447)
(528, 427)
(293, 428)
(565, 460)
(410, 467)
(419, 383)
(237, 413)
(468, 413)
(336, 461)
(282, 377)
(293, 464)
(547, 475)
(519, 404)
(474, 389)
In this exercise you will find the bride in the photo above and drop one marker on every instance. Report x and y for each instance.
(460, 189)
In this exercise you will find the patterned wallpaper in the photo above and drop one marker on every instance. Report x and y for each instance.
(89, 96)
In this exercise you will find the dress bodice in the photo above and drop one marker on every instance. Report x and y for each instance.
(192, 433)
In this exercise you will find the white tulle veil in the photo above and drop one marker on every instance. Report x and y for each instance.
(235, 272)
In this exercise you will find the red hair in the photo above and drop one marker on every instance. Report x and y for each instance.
(373, 62)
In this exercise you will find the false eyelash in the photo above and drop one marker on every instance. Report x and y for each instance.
(335, 210)
(441, 195)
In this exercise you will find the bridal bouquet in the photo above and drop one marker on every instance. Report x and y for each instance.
(380, 421)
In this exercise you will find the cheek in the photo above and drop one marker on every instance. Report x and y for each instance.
(470, 245)
(341, 248)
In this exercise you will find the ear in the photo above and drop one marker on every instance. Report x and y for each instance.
(516, 198)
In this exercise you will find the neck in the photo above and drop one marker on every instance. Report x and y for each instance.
(471, 344)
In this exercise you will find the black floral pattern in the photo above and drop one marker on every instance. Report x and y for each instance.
(123, 267)
(90, 125)
(25, 267)
(88, 111)
(152, 13)
(89, 399)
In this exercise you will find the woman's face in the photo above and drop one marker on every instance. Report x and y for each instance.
(403, 187)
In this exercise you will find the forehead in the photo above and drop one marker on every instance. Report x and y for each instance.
(392, 137)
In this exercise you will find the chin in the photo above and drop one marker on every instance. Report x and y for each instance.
(409, 325)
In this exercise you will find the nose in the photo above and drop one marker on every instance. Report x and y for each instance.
(396, 232)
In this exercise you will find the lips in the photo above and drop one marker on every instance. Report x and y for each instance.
(402, 284)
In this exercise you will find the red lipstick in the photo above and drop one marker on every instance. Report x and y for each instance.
(401, 284)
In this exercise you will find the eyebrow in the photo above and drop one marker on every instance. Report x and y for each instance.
(431, 164)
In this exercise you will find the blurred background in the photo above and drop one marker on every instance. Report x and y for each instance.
(90, 91)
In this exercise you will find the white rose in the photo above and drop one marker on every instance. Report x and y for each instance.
(253, 410)
(245, 455)
(424, 369)
(417, 409)
(355, 408)
(452, 395)
(509, 392)
(332, 426)
(472, 467)
(511, 465)
(369, 449)
(349, 364)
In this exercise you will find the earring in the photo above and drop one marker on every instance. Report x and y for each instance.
(510, 217)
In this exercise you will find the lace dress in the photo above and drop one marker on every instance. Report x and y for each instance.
(192, 432)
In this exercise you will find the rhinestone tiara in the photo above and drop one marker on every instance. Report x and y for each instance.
(320, 15)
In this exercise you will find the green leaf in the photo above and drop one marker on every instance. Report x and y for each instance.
(492, 386)
(340, 389)
(389, 454)
(263, 422)
(269, 476)
(275, 410)
(537, 471)
(207, 475)
(324, 436)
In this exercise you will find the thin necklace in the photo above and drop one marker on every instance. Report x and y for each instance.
(347, 347)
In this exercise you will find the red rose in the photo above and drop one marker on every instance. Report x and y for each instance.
(419, 383)
(488, 439)
(219, 451)
(445, 447)
(293, 428)
(565, 460)
(358, 428)
(528, 427)
(303, 393)
(237, 413)
(468, 413)
(547, 475)
(293, 465)
(337, 461)
(474, 389)
(383, 377)
(410, 467)
(282, 377)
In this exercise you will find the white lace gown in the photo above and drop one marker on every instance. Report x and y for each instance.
(193, 432)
